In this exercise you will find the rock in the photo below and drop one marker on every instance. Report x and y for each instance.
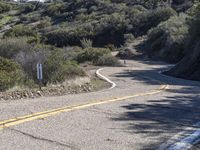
(31, 95)
(39, 93)
(25, 94)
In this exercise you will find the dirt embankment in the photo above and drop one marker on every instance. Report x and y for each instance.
(189, 66)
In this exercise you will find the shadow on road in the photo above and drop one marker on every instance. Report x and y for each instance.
(170, 113)
(153, 76)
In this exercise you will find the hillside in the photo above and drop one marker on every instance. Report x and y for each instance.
(64, 34)
(189, 66)
(177, 40)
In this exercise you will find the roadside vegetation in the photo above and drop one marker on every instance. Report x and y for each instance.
(64, 34)
(189, 66)
(177, 40)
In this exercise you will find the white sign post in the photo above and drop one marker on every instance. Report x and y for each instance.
(39, 74)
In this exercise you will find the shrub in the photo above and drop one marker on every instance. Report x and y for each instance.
(27, 8)
(86, 43)
(30, 18)
(126, 53)
(167, 40)
(108, 30)
(70, 69)
(54, 9)
(189, 66)
(20, 30)
(63, 37)
(111, 47)
(44, 23)
(107, 60)
(149, 19)
(71, 53)
(10, 74)
(4, 7)
(29, 59)
(5, 19)
(92, 54)
(57, 69)
(194, 22)
(135, 10)
(10, 47)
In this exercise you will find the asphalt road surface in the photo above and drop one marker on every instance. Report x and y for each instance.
(146, 110)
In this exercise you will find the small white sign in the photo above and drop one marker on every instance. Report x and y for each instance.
(39, 72)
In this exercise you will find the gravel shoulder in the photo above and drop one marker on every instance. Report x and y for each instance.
(85, 84)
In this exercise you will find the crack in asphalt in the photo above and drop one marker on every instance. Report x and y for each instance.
(44, 139)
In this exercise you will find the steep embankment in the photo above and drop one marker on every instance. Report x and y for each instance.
(177, 40)
(189, 66)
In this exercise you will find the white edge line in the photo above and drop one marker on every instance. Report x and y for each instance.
(113, 85)
(187, 142)
(179, 142)
(184, 143)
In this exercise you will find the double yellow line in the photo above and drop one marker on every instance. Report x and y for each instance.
(52, 112)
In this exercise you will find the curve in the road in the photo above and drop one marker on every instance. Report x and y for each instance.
(52, 112)
(113, 84)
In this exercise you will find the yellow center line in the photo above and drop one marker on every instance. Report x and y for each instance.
(52, 112)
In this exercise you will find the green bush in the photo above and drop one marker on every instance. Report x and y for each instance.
(92, 54)
(194, 23)
(70, 69)
(111, 47)
(29, 59)
(71, 53)
(30, 18)
(46, 22)
(57, 69)
(189, 66)
(5, 19)
(168, 39)
(11, 46)
(110, 30)
(107, 60)
(57, 62)
(149, 19)
(27, 8)
(4, 7)
(107, 30)
(63, 37)
(86, 43)
(11, 74)
(20, 30)
(55, 9)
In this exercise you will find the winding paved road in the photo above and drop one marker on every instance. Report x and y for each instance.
(146, 110)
